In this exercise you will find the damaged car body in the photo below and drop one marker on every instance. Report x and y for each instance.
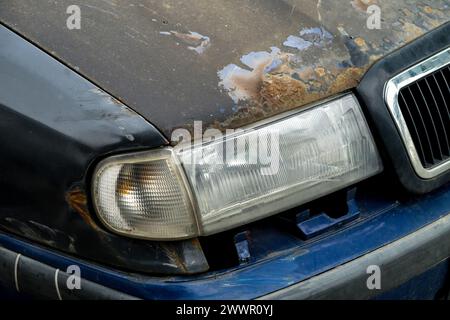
(93, 173)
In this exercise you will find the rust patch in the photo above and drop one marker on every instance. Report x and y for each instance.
(277, 80)
(281, 92)
(320, 72)
(428, 9)
(316, 62)
(361, 43)
(347, 80)
(411, 31)
(77, 200)
(284, 92)
(362, 5)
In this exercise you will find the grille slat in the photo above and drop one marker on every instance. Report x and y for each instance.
(445, 80)
(425, 108)
(439, 120)
(441, 106)
(431, 125)
(444, 99)
(415, 132)
(418, 121)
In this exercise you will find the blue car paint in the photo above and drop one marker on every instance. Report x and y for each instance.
(322, 223)
(382, 221)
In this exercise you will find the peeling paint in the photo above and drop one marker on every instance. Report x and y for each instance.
(309, 37)
(297, 43)
(207, 73)
(282, 92)
(362, 5)
(194, 40)
(244, 83)
(317, 36)
(310, 66)
(248, 83)
(274, 81)
(107, 97)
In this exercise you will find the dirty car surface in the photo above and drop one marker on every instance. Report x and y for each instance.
(225, 63)
(138, 70)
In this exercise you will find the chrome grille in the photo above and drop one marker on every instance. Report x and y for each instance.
(419, 102)
(425, 107)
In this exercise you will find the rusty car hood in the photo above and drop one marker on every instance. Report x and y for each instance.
(226, 63)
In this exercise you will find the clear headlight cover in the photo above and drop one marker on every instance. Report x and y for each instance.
(237, 178)
(144, 195)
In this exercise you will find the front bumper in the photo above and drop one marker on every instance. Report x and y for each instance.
(399, 262)
(405, 239)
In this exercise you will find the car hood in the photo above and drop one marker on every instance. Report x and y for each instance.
(225, 63)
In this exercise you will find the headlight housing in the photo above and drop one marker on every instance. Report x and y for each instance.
(144, 195)
(241, 177)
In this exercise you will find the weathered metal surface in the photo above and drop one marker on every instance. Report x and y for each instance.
(54, 126)
(227, 63)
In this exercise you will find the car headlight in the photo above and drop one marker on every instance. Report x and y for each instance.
(186, 191)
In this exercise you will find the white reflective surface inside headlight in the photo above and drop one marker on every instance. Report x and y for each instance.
(279, 165)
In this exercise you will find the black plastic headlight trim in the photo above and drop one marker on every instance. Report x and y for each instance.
(371, 93)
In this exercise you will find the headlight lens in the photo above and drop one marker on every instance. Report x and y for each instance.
(144, 195)
(242, 177)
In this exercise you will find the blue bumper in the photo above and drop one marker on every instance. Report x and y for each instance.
(387, 235)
